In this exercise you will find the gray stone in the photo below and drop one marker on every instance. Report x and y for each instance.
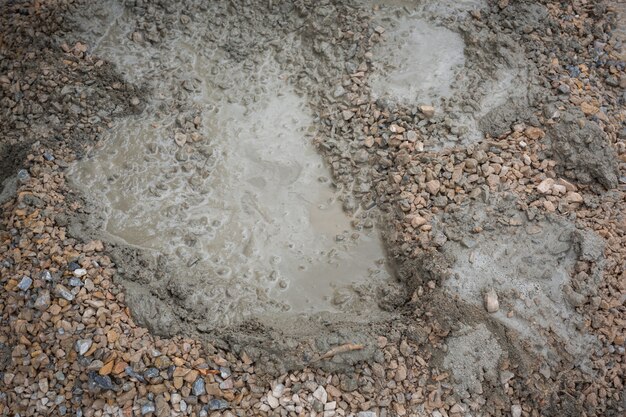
(83, 345)
(198, 388)
(218, 404)
(147, 408)
(25, 283)
(100, 381)
(63, 292)
(43, 301)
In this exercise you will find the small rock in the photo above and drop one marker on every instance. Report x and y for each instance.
(43, 301)
(417, 221)
(491, 301)
(131, 373)
(79, 272)
(101, 381)
(549, 206)
(401, 373)
(428, 111)
(366, 414)
(506, 376)
(534, 133)
(162, 362)
(83, 345)
(573, 197)
(347, 115)
(433, 186)
(162, 407)
(218, 404)
(63, 292)
(272, 401)
(23, 176)
(147, 408)
(516, 410)
(25, 283)
(278, 390)
(75, 282)
(545, 186)
(198, 388)
(320, 394)
(151, 373)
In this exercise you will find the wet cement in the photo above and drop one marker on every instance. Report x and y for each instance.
(477, 84)
(241, 204)
(222, 94)
(531, 266)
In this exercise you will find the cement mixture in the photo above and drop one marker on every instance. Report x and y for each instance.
(264, 232)
(222, 148)
(298, 179)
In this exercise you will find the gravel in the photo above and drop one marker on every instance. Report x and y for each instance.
(79, 351)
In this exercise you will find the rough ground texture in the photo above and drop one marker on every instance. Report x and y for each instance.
(69, 344)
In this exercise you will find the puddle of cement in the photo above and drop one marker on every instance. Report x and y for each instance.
(421, 63)
(424, 60)
(243, 207)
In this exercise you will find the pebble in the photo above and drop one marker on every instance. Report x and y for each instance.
(198, 388)
(147, 408)
(63, 292)
(491, 301)
(428, 111)
(347, 115)
(433, 186)
(320, 394)
(131, 373)
(25, 283)
(79, 272)
(545, 186)
(83, 345)
(272, 401)
(516, 410)
(43, 301)
(218, 404)
(278, 390)
(101, 381)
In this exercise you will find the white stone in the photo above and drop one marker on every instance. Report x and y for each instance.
(272, 401)
(278, 390)
(80, 272)
(491, 301)
(320, 394)
(545, 186)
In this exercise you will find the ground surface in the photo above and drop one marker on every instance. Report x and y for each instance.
(498, 183)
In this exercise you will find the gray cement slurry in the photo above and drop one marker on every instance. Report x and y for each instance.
(241, 203)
